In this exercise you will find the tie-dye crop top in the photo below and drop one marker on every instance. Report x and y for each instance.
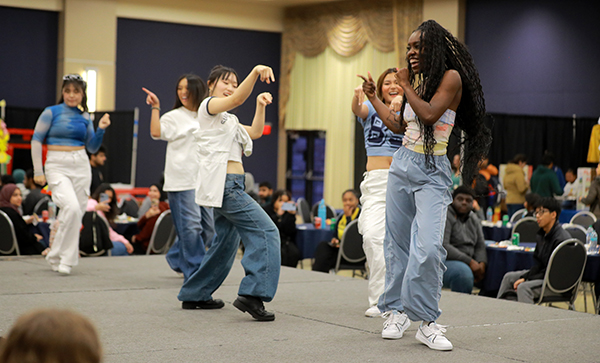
(442, 128)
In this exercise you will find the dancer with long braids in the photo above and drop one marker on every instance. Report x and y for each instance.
(441, 90)
(380, 144)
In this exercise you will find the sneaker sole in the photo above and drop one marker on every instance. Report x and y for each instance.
(243, 308)
(423, 339)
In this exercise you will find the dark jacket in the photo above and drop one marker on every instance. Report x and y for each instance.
(28, 244)
(546, 243)
(464, 240)
(544, 182)
(34, 196)
(286, 224)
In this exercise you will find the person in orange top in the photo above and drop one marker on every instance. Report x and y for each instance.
(486, 169)
(148, 220)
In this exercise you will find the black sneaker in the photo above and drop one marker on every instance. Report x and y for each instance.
(254, 306)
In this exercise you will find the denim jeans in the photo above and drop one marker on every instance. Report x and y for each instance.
(195, 227)
(119, 249)
(239, 216)
(458, 277)
(417, 202)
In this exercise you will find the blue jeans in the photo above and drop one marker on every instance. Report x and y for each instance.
(458, 277)
(195, 227)
(119, 249)
(417, 201)
(239, 216)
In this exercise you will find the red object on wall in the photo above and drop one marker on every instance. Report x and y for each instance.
(267, 129)
(26, 135)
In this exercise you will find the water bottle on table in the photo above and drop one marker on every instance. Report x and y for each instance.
(489, 214)
(592, 240)
(51, 210)
(322, 213)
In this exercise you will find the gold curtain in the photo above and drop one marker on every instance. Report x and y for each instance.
(345, 27)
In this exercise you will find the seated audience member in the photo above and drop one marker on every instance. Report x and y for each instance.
(464, 242)
(515, 184)
(51, 336)
(531, 201)
(525, 285)
(34, 195)
(593, 197)
(148, 220)
(265, 193)
(103, 201)
(10, 201)
(283, 212)
(97, 160)
(327, 251)
(571, 190)
(19, 176)
(544, 181)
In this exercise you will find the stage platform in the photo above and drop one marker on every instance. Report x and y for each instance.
(319, 318)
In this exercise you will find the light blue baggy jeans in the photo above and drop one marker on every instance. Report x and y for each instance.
(239, 217)
(417, 202)
(195, 229)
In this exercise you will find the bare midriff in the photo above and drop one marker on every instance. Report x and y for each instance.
(64, 148)
(235, 167)
(378, 162)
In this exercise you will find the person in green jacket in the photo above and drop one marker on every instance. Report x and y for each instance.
(544, 181)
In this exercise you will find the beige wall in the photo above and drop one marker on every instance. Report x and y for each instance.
(449, 13)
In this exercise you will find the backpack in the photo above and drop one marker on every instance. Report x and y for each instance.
(94, 236)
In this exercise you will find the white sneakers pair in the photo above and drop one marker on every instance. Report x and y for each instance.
(60, 268)
(431, 334)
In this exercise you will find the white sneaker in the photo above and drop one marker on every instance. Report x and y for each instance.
(64, 269)
(395, 325)
(432, 335)
(373, 312)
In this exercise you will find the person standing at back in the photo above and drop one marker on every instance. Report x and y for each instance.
(544, 181)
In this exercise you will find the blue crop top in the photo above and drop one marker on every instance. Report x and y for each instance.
(67, 126)
(379, 140)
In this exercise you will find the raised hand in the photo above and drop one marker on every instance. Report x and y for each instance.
(359, 94)
(402, 77)
(264, 99)
(368, 86)
(151, 99)
(104, 121)
(40, 180)
(396, 104)
(265, 73)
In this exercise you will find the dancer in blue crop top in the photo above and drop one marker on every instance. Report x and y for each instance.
(381, 144)
(441, 90)
(68, 131)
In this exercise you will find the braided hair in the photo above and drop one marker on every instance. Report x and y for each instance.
(439, 52)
